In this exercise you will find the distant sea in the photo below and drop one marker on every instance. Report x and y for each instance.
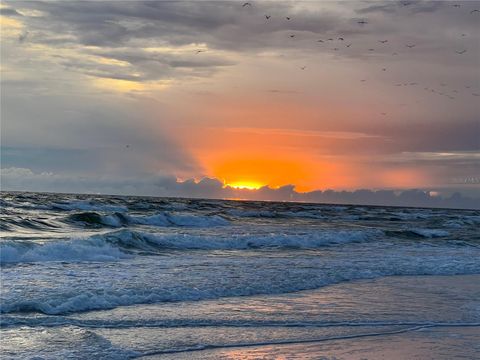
(111, 277)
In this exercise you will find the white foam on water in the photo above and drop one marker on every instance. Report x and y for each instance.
(66, 251)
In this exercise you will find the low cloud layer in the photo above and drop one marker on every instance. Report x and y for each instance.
(20, 179)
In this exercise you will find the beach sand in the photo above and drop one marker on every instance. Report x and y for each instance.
(437, 316)
(427, 343)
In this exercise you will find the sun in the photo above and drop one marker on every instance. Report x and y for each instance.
(249, 185)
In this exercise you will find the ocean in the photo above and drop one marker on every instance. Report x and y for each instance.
(117, 277)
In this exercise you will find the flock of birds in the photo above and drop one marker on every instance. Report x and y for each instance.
(447, 92)
(363, 22)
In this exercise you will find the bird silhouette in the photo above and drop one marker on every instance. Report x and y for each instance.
(362, 22)
(199, 51)
(319, 40)
(383, 41)
(292, 36)
(303, 67)
(268, 17)
(341, 39)
(456, 5)
(461, 52)
(246, 4)
(288, 18)
(363, 80)
(23, 36)
(410, 46)
(371, 49)
(474, 11)
(348, 45)
(329, 39)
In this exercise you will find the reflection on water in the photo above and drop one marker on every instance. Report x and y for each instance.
(121, 277)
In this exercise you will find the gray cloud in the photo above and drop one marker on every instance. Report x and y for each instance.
(54, 120)
(9, 12)
(17, 179)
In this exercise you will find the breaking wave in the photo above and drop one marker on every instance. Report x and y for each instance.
(95, 219)
(121, 244)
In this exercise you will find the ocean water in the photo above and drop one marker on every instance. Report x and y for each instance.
(125, 277)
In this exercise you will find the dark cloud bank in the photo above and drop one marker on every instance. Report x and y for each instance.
(20, 179)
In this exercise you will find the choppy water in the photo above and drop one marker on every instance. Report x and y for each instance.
(96, 272)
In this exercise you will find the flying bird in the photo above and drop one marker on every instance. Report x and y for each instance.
(341, 39)
(329, 39)
(319, 40)
(127, 146)
(348, 45)
(383, 41)
(292, 36)
(22, 37)
(371, 49)
(456, 5)
(288, 18)
(410, 46)
(362, 22)
(303, 67)
(474, 11)
(363, 80)
(384, 69)
(406, 3)
(461, 52)
(199, 51)
(268, 16)
(246, 4)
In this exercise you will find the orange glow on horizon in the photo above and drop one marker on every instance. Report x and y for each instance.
(248, 147)
(248, 185)
(250, 172)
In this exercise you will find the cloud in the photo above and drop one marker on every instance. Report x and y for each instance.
(79, 79)
(9, 12)
(18, 179)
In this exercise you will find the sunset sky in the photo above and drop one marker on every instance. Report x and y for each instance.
(107, 94)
